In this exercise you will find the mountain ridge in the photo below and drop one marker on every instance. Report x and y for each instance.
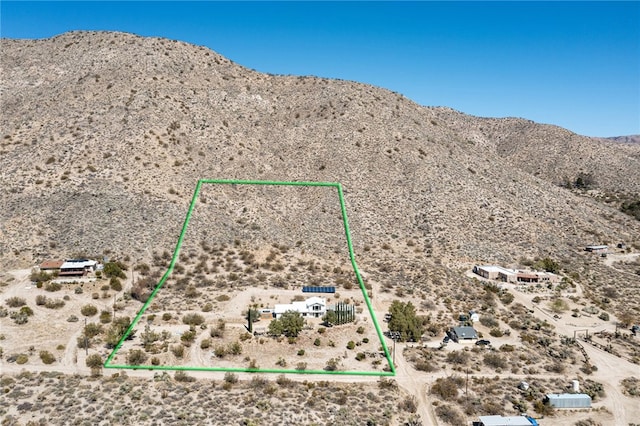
(104, 136)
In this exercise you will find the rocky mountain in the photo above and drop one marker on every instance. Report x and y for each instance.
(626, 139)
(104, 136)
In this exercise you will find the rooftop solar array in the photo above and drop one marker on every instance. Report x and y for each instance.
(313, 289)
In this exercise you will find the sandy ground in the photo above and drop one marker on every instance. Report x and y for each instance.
(60, 336)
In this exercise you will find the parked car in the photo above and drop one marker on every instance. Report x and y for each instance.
(446, 339)
(483, 342)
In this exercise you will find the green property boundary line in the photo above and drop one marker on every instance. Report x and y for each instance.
(196, 192)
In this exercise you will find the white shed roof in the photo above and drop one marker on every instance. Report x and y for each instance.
(504, 421)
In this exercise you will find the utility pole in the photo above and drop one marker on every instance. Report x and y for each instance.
(86, 346)
(466, 387)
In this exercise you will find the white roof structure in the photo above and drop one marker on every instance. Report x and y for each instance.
(78, 263)
(504, 421)
(493, 268)
(302, 307)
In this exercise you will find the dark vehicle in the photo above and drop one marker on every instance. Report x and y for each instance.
(446, 339)
(483, 342)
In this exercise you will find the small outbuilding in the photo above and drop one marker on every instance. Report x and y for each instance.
(569, 400)
(505, 421)
(596, 248)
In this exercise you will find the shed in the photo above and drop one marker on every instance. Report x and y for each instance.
(505, 421)
(596, 248)
(569, 400)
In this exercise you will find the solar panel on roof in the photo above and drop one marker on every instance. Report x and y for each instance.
(316, 289)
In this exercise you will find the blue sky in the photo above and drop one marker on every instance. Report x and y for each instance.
(573, 64)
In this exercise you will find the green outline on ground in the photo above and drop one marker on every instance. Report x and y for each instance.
(176, 253)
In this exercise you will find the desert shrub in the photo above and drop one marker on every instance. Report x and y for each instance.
(53, 286)
(506, 297)
(220, 351)
(496, 332)
(181, 376)
(360, 356)
(193, 319)
(54, 303)
(92, 329)
(40, 276)
(301, 352)
(218, 330)
(94, 362)
(15, 302)
(409, 404)
(631, 386)
(446, 387)
(458, 357)
(604, 316)
(47, 357)
(507, 348)
(632, 208)
(426, 366)
(19, 317)
(495, 361)
(41, 300)
(488, 321)
(88, 310)
(22, 359)
(208, 307)
(105, 317)
(450, 414)
(230, 377)
(136, 357)
(177, 351)
(235, 348)
(316, 342)
(558, 305)
(188, 337)
(72, 318)
(114, 269)
(205, 343)
(360, 330)
(25, 310)
(301, 366)
(351, 345)
(223, 298)
(115, 284)
(332, 365)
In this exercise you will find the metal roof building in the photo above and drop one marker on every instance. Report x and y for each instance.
(569, 400)
(505, 421)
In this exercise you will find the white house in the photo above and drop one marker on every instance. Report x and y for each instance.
(312, 307)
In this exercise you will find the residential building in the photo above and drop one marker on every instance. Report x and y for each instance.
(312, 307)
(464, 333)
(77, 267)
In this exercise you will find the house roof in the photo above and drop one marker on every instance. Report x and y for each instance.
(78, 263)
(465, 332)
(493, 268)
(299, 306)
(51, 264)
